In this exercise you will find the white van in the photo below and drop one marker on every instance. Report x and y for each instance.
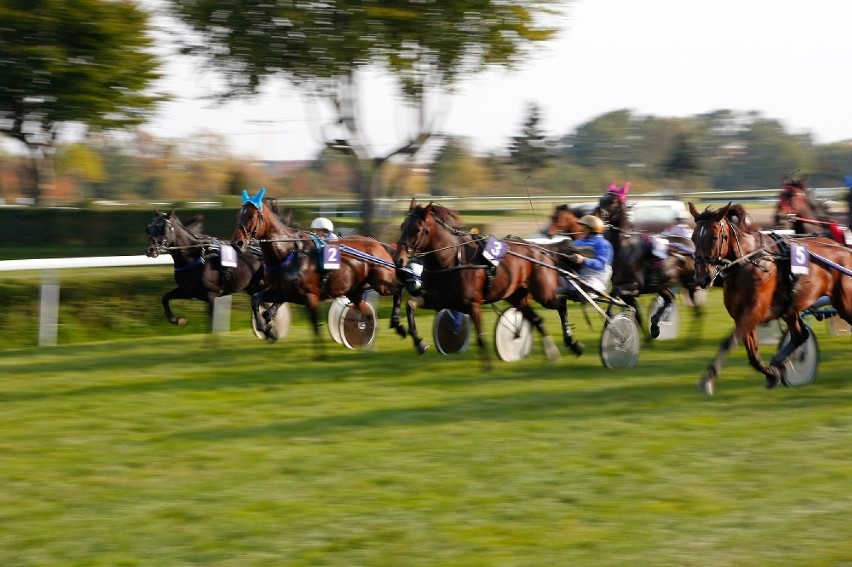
(654, 215)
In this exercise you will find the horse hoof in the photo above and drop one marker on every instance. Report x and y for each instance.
(181, 322)
(421, 347)
(707, 385)
(772, 382)
(655, 331)
(400, 330)
(577, 347)
(550, 350)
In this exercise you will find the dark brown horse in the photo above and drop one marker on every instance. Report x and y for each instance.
(760, 285)
(198, 269)
(294, 264)
(797, 205)
(637, 271)
(458, 275)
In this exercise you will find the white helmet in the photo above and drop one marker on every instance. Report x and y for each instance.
(322, 222)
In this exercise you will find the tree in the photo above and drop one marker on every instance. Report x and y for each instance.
(322, 49)
(71, 61)
(530, 150)
(683, 161)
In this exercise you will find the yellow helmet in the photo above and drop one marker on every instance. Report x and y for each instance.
(592, 222)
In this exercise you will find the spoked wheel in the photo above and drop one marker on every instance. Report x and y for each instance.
(279, 327)
(451, 331)
(620, 341)
(357, 329)
(513, 336)
(669, 319)
(800, 368)
(335, 310)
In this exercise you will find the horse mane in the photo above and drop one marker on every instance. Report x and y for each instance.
(736, 215)
(195, 225)
(444, 214)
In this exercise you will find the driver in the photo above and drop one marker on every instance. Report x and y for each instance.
(594, 259)
(323, 228)
(594, 254)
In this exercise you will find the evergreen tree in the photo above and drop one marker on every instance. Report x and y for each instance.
(530, 150)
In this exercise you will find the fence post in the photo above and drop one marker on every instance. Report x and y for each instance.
(222, 314)
(48, 309)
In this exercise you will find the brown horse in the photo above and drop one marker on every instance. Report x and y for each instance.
(458, 275)
(760, 285)
(799, 206)
(565, 220)
(635, 269)
(294, 266)
(198, 270)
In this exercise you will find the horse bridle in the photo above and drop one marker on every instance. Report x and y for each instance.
(719, 261)
(424, 232)
(253, 234)
(161, 242)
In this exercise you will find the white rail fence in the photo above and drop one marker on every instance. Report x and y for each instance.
(49, 298)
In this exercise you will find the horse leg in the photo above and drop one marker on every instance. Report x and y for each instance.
(167, 297)
(312, 305)
(412, 304)
(707, 383)
(476, 317)
(798, 335)
(773, 373)
(395, 314)
(576, 346)
(668, 297)
(263, 318)
(550, 350)
(630, 295)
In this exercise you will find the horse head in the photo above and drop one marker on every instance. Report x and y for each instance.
(712, 239)
(613, 210)
(162, 233)
(792, 201)
(414, 233)
(563, 221)
(156, 231)
(251, 222)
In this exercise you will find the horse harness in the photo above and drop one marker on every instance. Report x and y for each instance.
(462, 262)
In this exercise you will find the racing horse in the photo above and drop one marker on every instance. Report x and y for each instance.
(808, 214)
(760, 286)
(198, 269)
(564, 220)
(458, 275)
(635, 269)
(295, 267)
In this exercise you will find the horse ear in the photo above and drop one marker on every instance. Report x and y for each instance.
(723, 212)
(693, 211)
(412, 204)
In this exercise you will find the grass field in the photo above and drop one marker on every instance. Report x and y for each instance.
(193, 449)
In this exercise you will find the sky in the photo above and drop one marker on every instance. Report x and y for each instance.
(790, 60)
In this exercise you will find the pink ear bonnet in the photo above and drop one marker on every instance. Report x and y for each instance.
(620, 192)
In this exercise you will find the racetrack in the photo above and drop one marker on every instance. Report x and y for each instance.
(226, 451)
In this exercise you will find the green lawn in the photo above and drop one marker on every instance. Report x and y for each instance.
(195, 449)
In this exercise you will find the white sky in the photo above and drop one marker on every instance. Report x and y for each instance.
(791, 60)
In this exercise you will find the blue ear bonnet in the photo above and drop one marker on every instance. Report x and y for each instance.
(257, 200)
